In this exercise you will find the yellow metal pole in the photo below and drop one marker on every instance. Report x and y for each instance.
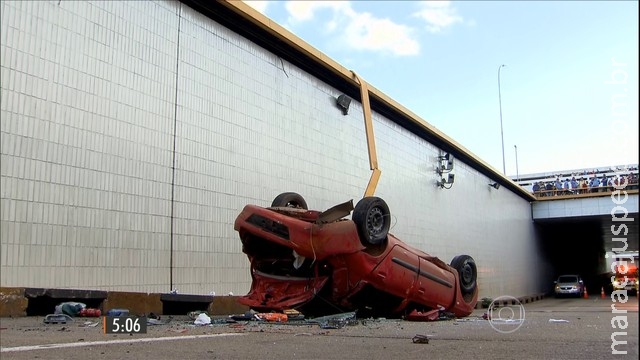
(371, 141)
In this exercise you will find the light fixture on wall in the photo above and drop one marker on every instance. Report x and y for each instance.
(495, 185)
(343, 102)
(446, 183)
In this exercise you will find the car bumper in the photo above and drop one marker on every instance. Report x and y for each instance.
(568, 291)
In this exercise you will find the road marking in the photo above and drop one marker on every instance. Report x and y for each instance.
(111, 342)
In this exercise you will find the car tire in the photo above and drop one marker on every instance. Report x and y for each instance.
(290, 199)
(467, 271)
(373, 220)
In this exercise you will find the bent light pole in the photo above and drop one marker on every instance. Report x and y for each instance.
(504, 170)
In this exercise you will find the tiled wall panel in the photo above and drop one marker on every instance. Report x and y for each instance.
(87, 181)
(87, 120)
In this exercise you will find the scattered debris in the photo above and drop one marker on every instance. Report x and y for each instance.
(194, 314)
(70, 308)
(486, 302)
(57, 319)
(88, 312)
(90, 324)
(472, 319)
(202, 319)
(558, 321)
(416, 315)
(118, 312)
(336, 321)
(276, 317)
(432, 315)
(154, 321)
(293, 314)
(303, 334)
(249, 315)
(420, 339)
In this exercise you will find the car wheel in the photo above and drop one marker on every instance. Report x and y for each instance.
(373, 219)
(467, 271)
(290, 199)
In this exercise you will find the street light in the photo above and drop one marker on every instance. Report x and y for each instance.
(504, 168)
(517, 173)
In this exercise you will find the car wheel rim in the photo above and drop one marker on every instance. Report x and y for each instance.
(375, 221)
(467, 274)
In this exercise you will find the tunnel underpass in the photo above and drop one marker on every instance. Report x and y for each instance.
(576, 246)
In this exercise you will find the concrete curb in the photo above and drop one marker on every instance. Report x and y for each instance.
(523, 300)
(18, 302)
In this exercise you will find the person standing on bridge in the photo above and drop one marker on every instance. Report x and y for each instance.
(536, 188)
(566, 187)
(594, 184)
(575, 185)
(604, 183)
(558, 186)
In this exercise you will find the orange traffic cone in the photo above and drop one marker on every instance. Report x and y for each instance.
(586, 295)
(602, 294)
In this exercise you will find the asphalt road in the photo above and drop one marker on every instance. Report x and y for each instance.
(552, 329)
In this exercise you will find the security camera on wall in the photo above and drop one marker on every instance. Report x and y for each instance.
(449, 165)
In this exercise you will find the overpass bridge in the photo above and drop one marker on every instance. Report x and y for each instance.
(613, 213)
(582, 227)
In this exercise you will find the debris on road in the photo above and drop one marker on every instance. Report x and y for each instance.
(432, 315)
(276, 317)
(57, 319)
(70, 308)
(89, 312)
(202, 319)
(118, 312)
(416, 315)
(90, 324)
(153, 321)
(420, 339)
(558, 321)
(336, 321)
(194, 314)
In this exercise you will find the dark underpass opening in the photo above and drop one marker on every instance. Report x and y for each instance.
(576, 248)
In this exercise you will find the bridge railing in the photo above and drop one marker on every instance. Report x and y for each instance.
(582, 192)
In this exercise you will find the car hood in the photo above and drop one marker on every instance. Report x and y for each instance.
(275, 292)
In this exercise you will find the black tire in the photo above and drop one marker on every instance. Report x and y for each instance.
(373, 219)
(290, 199)
(467, 271)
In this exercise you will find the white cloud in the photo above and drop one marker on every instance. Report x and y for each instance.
(366, 32)
(361, 31)
(259, 5)
(304, 10)
(438, 15)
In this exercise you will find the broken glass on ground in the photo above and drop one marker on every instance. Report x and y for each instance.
(336, 321)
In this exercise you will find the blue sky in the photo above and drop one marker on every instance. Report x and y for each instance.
(440, 60)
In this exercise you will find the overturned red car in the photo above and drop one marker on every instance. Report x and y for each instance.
(322, 262)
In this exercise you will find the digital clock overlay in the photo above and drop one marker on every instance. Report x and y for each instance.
(124, 324)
